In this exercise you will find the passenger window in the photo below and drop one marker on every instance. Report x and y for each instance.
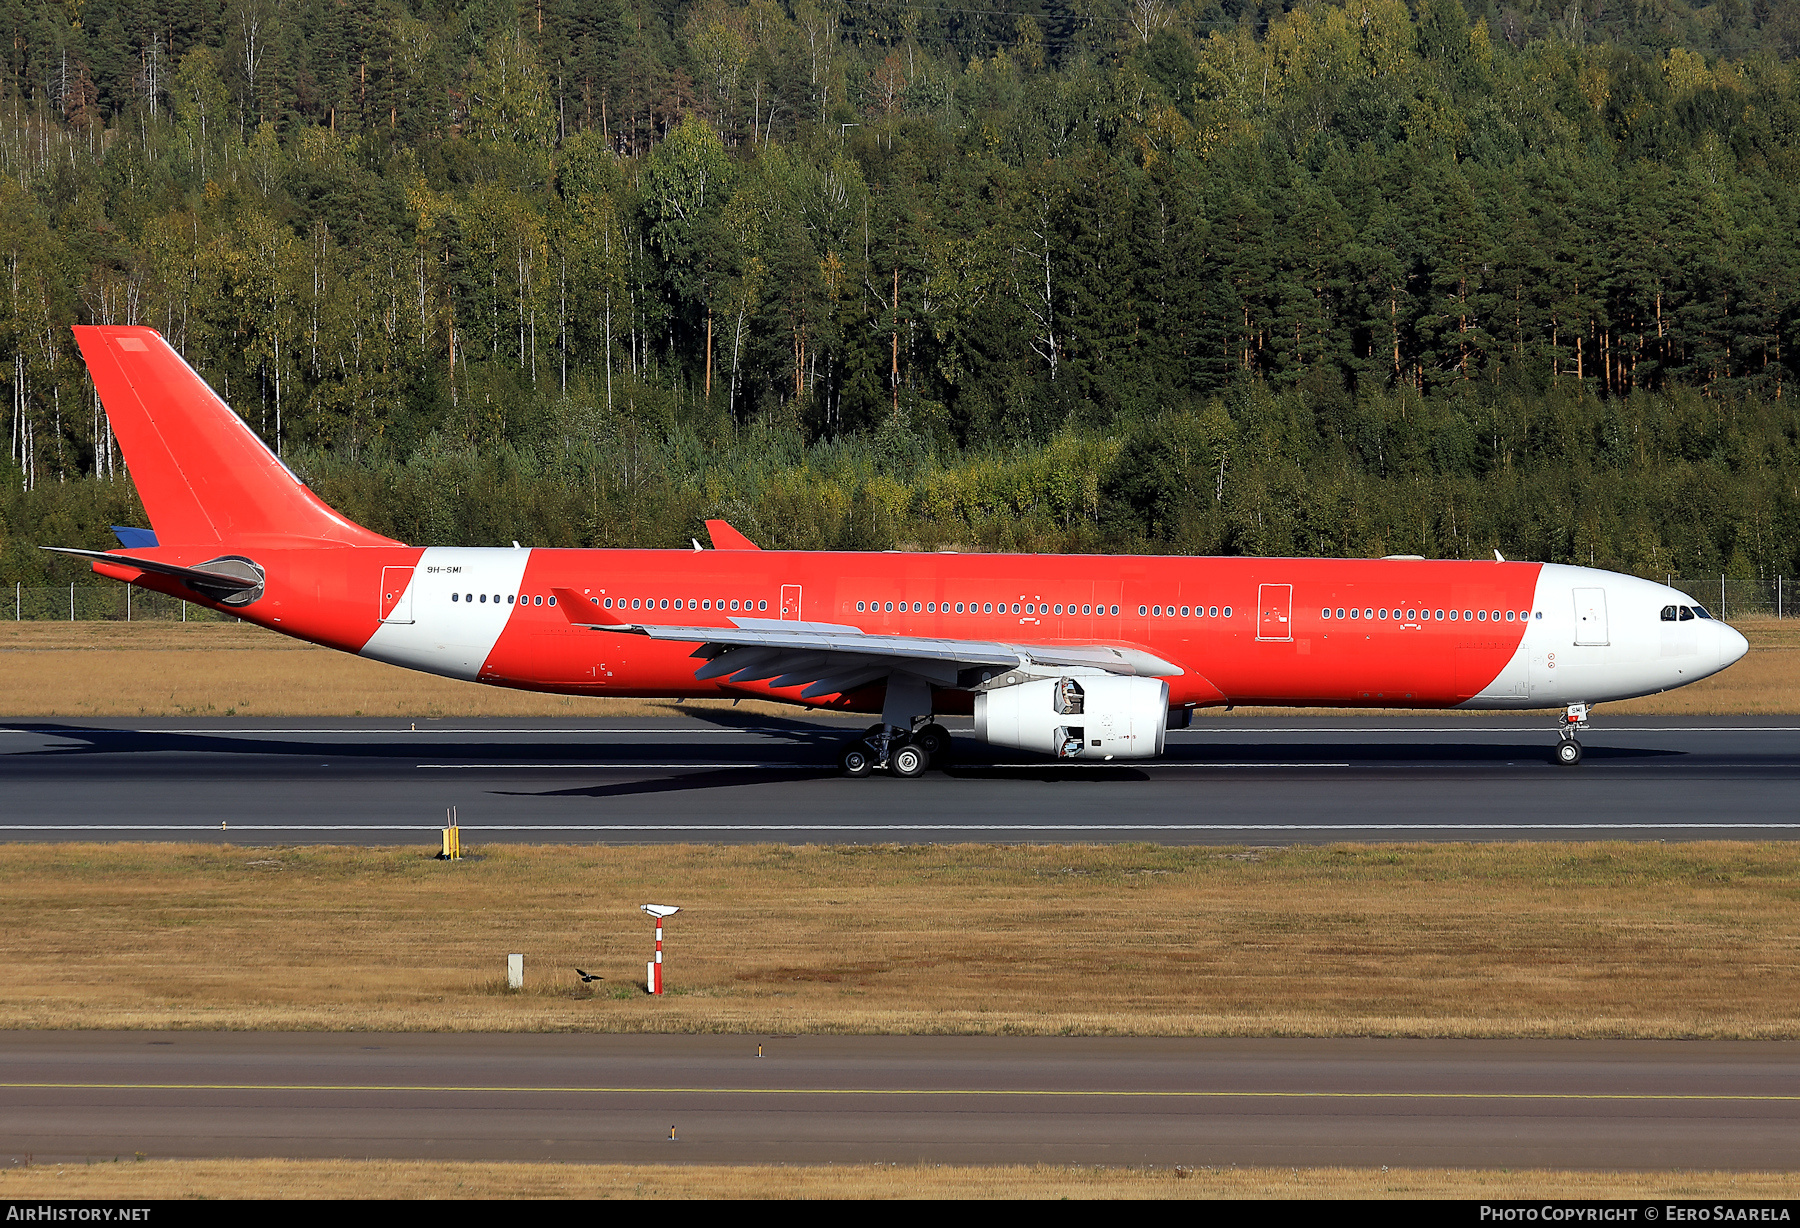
(1340, 612)
(552, 601)
(1509, 616)
(484, 599)
(1481, 614)
(1384, 616)
(859, 607)
(455, 596)
(1143, 610)
(762, 605)
(1412, 616)
(1227, 611)
(1184, 611)
(1440, 616)
(915, 607)
(931, 607)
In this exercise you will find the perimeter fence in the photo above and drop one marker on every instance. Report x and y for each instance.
(103, 603)
(1724, 596)
(1728, 598)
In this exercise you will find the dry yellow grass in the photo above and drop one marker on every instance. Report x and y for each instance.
(168, 1179)
(235, 669)
(1645, 940)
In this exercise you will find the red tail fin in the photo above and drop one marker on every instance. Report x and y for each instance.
(202, 473)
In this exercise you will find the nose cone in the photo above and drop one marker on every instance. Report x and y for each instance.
(1732, 645)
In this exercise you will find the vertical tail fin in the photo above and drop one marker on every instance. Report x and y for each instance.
(204, 476)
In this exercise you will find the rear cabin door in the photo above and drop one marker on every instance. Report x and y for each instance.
(1275, 612)
(396, 594)
(1590, 617)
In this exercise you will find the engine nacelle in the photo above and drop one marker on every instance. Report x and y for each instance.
(1087, 716)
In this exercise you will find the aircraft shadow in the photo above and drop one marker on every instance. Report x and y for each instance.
(793, 749)
(380, 745)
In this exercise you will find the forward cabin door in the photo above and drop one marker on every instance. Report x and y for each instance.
(1275, 612)
(790, 602)
(396, 594)
(1590, 617)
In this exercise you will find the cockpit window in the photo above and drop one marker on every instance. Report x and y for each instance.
(1668, 613)
(1687, 615)
(1700, 612)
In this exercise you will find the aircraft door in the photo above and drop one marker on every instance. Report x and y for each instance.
(396, 594)
(1275, 612)
(790, 602)
(1590, 617)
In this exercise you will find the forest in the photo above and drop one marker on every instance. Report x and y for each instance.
(1213, 276)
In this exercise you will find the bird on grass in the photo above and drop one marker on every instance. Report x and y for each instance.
(586, 977)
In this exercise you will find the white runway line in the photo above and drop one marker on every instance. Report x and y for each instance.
(1472, 726)
(1546, 728)
(603, 828)
(820, 767)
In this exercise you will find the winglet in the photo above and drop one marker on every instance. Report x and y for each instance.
(724, 537)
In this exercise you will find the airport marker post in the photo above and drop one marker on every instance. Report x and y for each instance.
(653, 974)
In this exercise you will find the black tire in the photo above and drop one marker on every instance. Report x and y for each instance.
(909, 761)
(934, 740)
(1568, 752)
(856, 761)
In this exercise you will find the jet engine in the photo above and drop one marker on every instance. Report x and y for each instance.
(1086, 716)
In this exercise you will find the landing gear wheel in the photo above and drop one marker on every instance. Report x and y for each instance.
(934, 740)
(1568, 752)
(908, 761)
(856, 760)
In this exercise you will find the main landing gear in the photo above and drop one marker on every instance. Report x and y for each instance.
(895, 750)
(1568, 750)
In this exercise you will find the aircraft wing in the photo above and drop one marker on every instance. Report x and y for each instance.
(832, 658)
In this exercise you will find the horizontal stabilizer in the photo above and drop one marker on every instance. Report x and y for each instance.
(134, 539)
(220, 580)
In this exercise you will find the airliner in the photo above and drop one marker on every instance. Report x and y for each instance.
(1075, 657)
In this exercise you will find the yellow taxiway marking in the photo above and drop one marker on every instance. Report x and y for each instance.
(900, 1091)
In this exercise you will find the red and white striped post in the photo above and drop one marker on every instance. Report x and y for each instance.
(653, 977)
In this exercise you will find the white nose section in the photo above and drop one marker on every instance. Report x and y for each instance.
(1732, 644)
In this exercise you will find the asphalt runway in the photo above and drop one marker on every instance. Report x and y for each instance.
(726, 776)
(812, 1099)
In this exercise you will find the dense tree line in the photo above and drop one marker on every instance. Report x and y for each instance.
(1230, 276)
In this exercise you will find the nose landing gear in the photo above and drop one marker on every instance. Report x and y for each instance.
(1568, 750)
